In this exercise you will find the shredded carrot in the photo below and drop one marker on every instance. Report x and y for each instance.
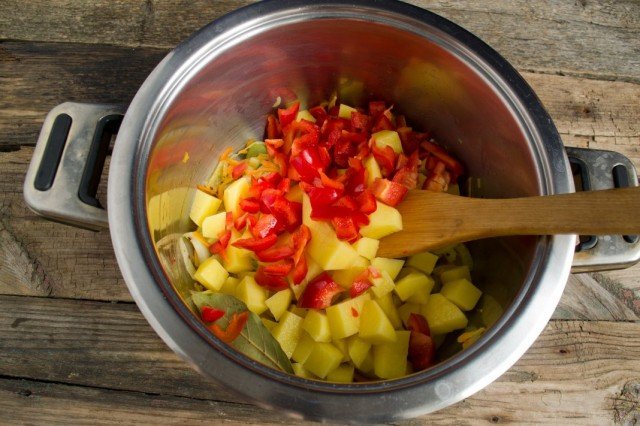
(207, 189)
(225, 154)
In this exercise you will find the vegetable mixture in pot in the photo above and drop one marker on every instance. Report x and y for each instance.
(285, 249)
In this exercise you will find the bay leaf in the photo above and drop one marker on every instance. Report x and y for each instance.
(255, 340)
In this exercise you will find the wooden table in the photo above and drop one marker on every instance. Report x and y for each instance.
(73, 346)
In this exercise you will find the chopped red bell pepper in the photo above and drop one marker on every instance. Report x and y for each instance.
(284, 185)
(274, 143)
(358, 287)
(301, 238)
(360, 121)
(219, 246)
(241, 221)
(376, 108)
(256, 244)
(327, 182)
(250, 205)
(367, 202)
(389, 192)
(407, 174)
(274, 254)
(234, 328)
(268, 199)
(281, 268)
(321, 196)
(273, 130)
(288, 115)
(417, 322)
(228, 221)
(280, 160)
(238, 170)
(300, 271)
(385, 157)
(270, 281)
(267, 224)
(421, 350)
(319, 293)
(451, 163)
(345, 228)
(210, 314)
(382, 123)
(319, 113)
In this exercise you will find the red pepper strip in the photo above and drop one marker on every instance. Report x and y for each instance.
(407, 178)
(284, 185)
(367, 202)
(385, 157)
(389, 192)
(250, 205)
(347, 202)
(451, 163)
(356, 177)
(228, 221)
(319, 293)
(256, 244)
(300, 271)
(273, 128)
(252, 220)
(274, 254)
(360, 121)
(320, 196)
(288, 213)
(222, 243)
(417, 322)
(319, 113)
(210, 314)
(327, 182)
(287, 115)
(280, 269)
(268, 199)
(267, 225)
(376, 108)
(305, 170)
(382, 123)
(233, 330)
(238, 170)
(421, 350)
(408, 138)
(301, 237)
(345, 228)
(280, 160)
(274, 143)
(269, 281)
(241, 222)
(360, 284)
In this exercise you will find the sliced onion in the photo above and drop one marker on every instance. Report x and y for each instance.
(187, 252)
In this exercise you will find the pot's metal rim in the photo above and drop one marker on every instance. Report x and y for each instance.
(453, 380)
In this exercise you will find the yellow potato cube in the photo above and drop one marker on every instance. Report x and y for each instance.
(252, 295)
(279, 303)
(288, 332)
(366, 366)
(203, 205)
(461, 292)
(211, 274)
(420, 297)
(442, 315)
(300, 371)
(455, 273)
(268, 323)
(303, 348)
(392, 266)
(372, 170)
(295, 194)
(238, 260)
(375, 327)
(384, 221)
(390, 359)
(306, 115)
(388, 138)
(345, 111)
(407, 309)
(367, 247)
(317, 325)
(345, 277)
(490, 310)
(382, 285)
(342, 374)
(412, 284)
(234, 193)
(214, 225)
(324, 358)
(344, 317)
(229, 286)
(424, 262)
(342, 345)
(313, 270)
(464, 255)
(390, 310)
(358, 350)
(301, 312)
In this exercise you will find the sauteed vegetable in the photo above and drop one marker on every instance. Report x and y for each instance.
(288, 266)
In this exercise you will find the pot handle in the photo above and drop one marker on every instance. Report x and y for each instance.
(595, 169)
(64, 173)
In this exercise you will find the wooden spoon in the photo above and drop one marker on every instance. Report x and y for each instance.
(432, 220)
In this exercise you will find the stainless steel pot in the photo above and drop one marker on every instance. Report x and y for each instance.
(214, 90)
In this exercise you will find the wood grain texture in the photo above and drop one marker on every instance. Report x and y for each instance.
(585, 38)
(576, 372)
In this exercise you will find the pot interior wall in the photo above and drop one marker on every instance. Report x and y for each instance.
(224, 101)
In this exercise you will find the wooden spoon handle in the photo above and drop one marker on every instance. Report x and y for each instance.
(435, 220)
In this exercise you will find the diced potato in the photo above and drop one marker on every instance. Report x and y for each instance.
(325, 247)
(424, 262)
(203, 205)
(342, 374)
(345, 111)
(366, 366)
(300, 371)
(405, 271)
(316, 324)
(388, 138)
(342, 345)
(407, 309)
(229, 286)
(390, 359)
(288, 332)
(295, 194)
(456, 273)
(268, 323)
(252, 295)
(303, 348)
(461, 292)
(324, 357)
(301, 312)
(442, 315)
(358, 350)
(372, 168)
(490, 310)
(375, 327)
(345, 277)
(279, 303)
(412, 284)
(390, 310)
(384, 221)
(344, 317)
(392, 266)
(306, 115)
(211, 274)
(382, 285)
(234, 193)
(464, 255)
(214, 225)
(420, 297)
(367, 247)
(238, 260)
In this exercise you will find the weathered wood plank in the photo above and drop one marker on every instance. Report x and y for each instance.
(589, 38)
(576, 372)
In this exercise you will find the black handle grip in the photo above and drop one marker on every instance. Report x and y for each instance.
(46, 173)
(105, 129)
